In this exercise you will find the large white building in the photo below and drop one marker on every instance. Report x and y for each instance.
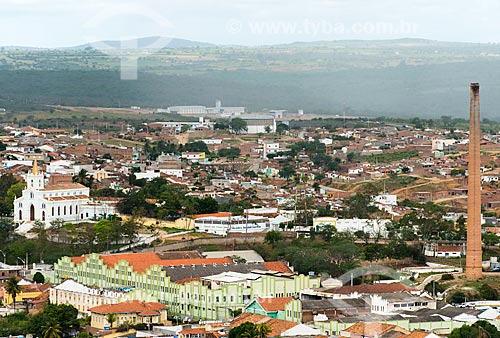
(259, 124)
(221, 226)
(374, 227)
(62, 200)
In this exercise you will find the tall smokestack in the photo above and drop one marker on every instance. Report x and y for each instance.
(474, 258)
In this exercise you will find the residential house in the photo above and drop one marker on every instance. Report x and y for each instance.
(134, 312)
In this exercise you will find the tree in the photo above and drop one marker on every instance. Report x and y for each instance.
(281, 128)
(327, 232)
(197, 147)
(6, 229)
(490, 239)
(13, 288)
(111, 318)
(15, 191)
(268, 129)
(487, 292)
(250, 330)
(480, 329)
(6, 200)
(230, 153)
(457, 297)
(287, 171)
(360, 205)
(66, 316)
(38, 278)
(52, 330)
(273, 237)
(263, 330)
(350, 157)
(238, 125)
(83, 177)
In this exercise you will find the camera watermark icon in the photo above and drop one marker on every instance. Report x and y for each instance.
(374, 270)
(129, 49)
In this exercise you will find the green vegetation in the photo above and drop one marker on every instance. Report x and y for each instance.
(426, 222)
(390, 157)
(38, 277)
(153, 150)
(250, 330)
(238, 125)
(477, 330)
(333, 253)
(171, 201)
(230, 153)
(417, 80)
(53, 321)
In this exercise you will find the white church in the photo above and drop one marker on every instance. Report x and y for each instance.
(49, 201)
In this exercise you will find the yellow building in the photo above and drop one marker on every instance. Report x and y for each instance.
(133, 312)
(30, 291)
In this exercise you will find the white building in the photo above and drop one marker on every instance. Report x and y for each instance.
(187, 110)
(194, 156)
(374, 227)
(221, 226)
(489, 178)
(47, 202)
(442, 144)
(82, 297)
(444, 251)
(212, 141)
(257, 124)
(391, 303)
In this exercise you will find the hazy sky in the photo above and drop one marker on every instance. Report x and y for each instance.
(55, 23)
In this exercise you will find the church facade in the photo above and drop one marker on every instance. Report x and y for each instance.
(56, 200)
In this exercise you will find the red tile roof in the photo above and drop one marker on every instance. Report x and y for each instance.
(278, 266)
(140, 262)
(277, 326)
(274, 304)
(217, 214)
(198, 330)
(374, 329)
(134, 306)
(449, 248)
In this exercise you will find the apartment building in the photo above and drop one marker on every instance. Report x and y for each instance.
(200, 288)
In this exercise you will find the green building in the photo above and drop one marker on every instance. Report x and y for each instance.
(197, 288)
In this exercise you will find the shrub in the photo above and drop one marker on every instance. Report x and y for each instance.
(447, 276)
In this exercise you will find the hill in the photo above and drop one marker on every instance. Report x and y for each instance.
(151, 42)
(407, 77)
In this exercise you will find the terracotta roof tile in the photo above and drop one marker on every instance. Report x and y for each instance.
(274, 304)
(278, 266)
(449, 248)
(277, 326)
(135, 306)
(373, 329)
(218, 214)
(140, 262)
(64, 186)
(417, 334)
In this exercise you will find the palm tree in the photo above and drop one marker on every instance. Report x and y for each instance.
(111, 318)
(83, 177)
(13, 288)
(262, 330)
(52, 330)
